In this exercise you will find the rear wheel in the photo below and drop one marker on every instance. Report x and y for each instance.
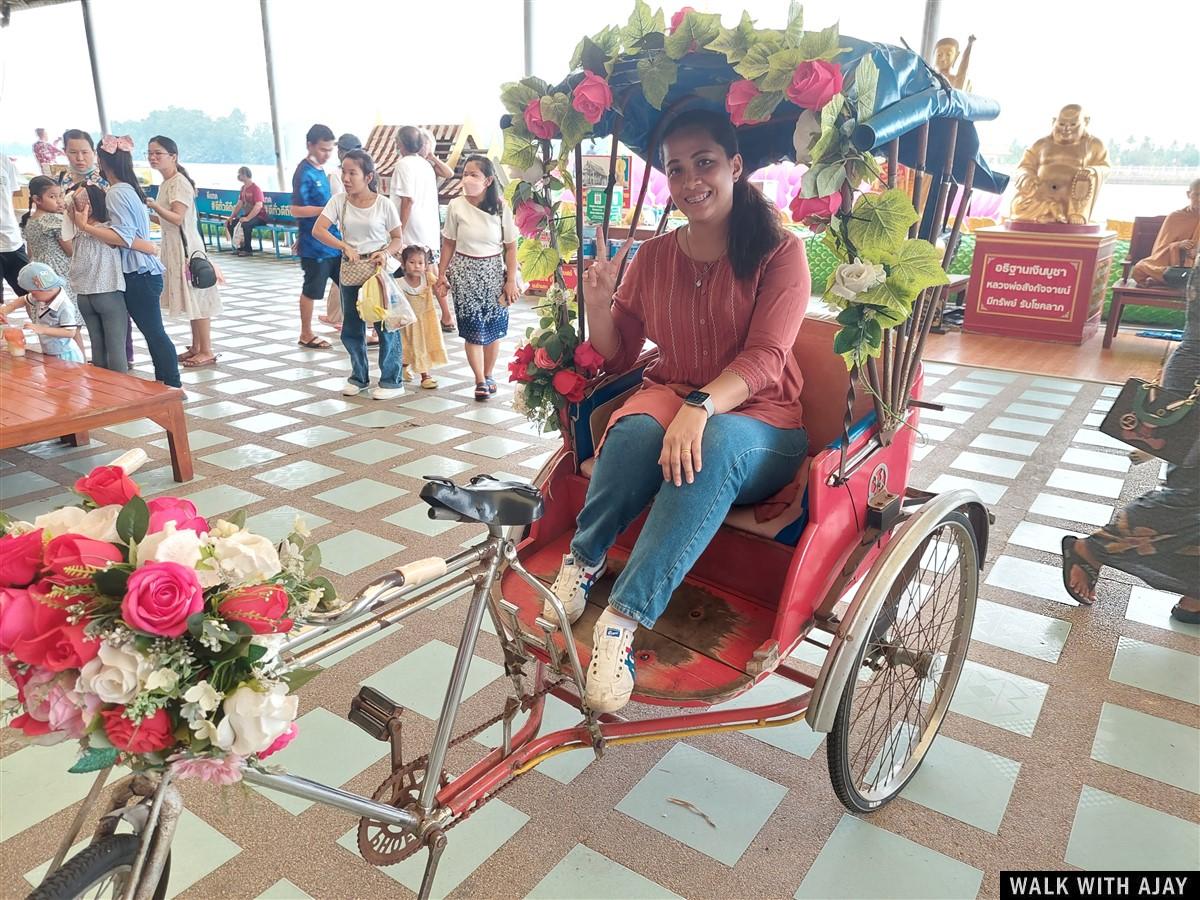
(99, 871)
(907, 668)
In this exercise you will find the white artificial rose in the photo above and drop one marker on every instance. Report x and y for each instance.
(246, 557)
(99, 524)
(162, 680)
(273, 644)
(300, 526)
(852, 279)
(203, 695)
(808, 129)
(222, 529)
(18, 528)
(116, 675)
(254, 719)
(170, 545)
(61, 521)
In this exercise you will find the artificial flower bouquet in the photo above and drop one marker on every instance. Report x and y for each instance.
(552, 364)
(151, 635)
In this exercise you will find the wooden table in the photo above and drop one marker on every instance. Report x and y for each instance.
(42, 397)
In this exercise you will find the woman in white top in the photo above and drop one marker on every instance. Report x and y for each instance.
(175, 207)
(370, 227)
(479, 255)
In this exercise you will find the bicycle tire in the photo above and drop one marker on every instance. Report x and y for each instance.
(90, 866)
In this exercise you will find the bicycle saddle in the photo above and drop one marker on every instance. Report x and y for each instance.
(486, 500)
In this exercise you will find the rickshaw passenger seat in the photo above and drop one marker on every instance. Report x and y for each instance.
(486, 500)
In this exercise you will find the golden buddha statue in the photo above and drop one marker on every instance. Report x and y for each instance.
(1061, 174)
(945, 55)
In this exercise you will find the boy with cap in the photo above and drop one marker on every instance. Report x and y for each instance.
(53, 316)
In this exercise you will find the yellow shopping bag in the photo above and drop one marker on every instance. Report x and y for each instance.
(373, 298)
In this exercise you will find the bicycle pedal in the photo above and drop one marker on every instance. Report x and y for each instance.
(372, 711)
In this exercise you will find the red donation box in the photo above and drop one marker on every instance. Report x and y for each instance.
(1039, 282)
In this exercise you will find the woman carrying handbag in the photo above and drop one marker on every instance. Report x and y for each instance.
(371, 232)
(190, 282)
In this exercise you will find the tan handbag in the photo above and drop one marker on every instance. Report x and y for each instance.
(353, 273)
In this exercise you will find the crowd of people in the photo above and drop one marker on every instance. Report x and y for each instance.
(86, 239)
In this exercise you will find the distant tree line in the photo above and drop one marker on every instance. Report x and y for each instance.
(203, 138)
(1132, 151)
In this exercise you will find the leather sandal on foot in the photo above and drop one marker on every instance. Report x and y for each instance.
(1071, 559)
(1186, 616)
(482, 392)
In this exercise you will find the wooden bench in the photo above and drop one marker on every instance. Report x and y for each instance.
(1125, 293)
(42, 398)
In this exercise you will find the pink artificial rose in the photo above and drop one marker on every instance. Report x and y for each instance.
(262, 606)
(815, 210)
(16, 617)
(282, 741)
(570, 384)
(159, 598)
(71, 559)
(592, 97)
(531, 218)
(152, 734)
(738, 98)
(539, 127)
(20, 558)
(30, 727)
(34, 629)
(544, 360)
(814, 83)
(69, 710)
(175, 509)
(587, 359)
(59, 649)
(677, 19)
(518, 369)
(215, 770)
(107, 485)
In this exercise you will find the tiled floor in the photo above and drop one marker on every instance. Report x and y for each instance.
(1073, 738)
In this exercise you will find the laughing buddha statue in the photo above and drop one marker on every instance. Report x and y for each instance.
(1061, 174)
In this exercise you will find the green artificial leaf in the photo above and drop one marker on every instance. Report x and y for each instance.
(537, 260)
(830, 139)
(794, 32)
(889, 318)
(574, 128)
(889, 296)
(195, 624)
(833, 242)
(519, 151)
(642, 22)
(564, 234)
(298, 678)
(863, 168)
(872, 333)
(609, 42)
(516, 96)
(866, 82)
(761, 107)
(735, 43)
(593, 57)
(830, 178)
(714, 92)
(518, 192)
(696, 28)
(879, 223)
(554, 107)
(94, 759)
(916, 266)
(757, 61)
(325, 586)
(237, 519)
(847, 339)
(851, 315)
(133, 520)
(781, 68)
(312, 558)
(657, 73)
(255, 653)
(821, 44)
(112, 581)
(6, 522)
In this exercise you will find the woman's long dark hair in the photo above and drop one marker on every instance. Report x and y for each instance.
(171, 147)
(754, 229)
(493, 198)
(37, 187)
(97, 202)
(363, 159)
(119, 164)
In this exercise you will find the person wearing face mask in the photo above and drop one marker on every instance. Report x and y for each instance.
(717, 420)
(479, 254)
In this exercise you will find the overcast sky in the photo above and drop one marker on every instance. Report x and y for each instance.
(366, 62)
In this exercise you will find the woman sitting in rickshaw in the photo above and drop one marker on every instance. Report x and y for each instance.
(717, 420)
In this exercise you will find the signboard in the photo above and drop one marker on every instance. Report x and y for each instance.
(218, 202)
(595, 174)
(593, 210)
(1029, 287)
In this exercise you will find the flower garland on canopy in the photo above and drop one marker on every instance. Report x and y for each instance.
(787, 71)
(150, 635)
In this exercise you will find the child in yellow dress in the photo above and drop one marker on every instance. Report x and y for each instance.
(423, 347)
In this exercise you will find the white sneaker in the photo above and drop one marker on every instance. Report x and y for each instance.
(382, 393)
(350, 389)
(610, 675)
(572, 586)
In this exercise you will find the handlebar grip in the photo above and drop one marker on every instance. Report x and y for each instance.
(423, 570)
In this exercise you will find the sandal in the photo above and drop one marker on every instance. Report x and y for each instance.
(1186, 616)
(429, 383)
(448, 327)
(186, 354)
(491, 385)
(198, 362)
(1071, 559)
(316, 343)
(482, 392)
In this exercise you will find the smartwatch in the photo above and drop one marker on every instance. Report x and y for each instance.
(702, 400)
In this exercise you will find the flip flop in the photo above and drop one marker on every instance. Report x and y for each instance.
(448, 329)
(482, 392)
(1070, 560)
(192, 363)
(317, 343)
(1186, 616)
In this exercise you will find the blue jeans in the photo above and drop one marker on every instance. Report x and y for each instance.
(354, 339)
(744, 461)
(142, 292)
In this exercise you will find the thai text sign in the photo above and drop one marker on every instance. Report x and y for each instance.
(1029, 287)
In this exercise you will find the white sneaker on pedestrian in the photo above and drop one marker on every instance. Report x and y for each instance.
(382, 393)
(350, 389)
(611, 672)
(571, 586)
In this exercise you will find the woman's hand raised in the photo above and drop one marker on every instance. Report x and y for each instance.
(600, 280)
